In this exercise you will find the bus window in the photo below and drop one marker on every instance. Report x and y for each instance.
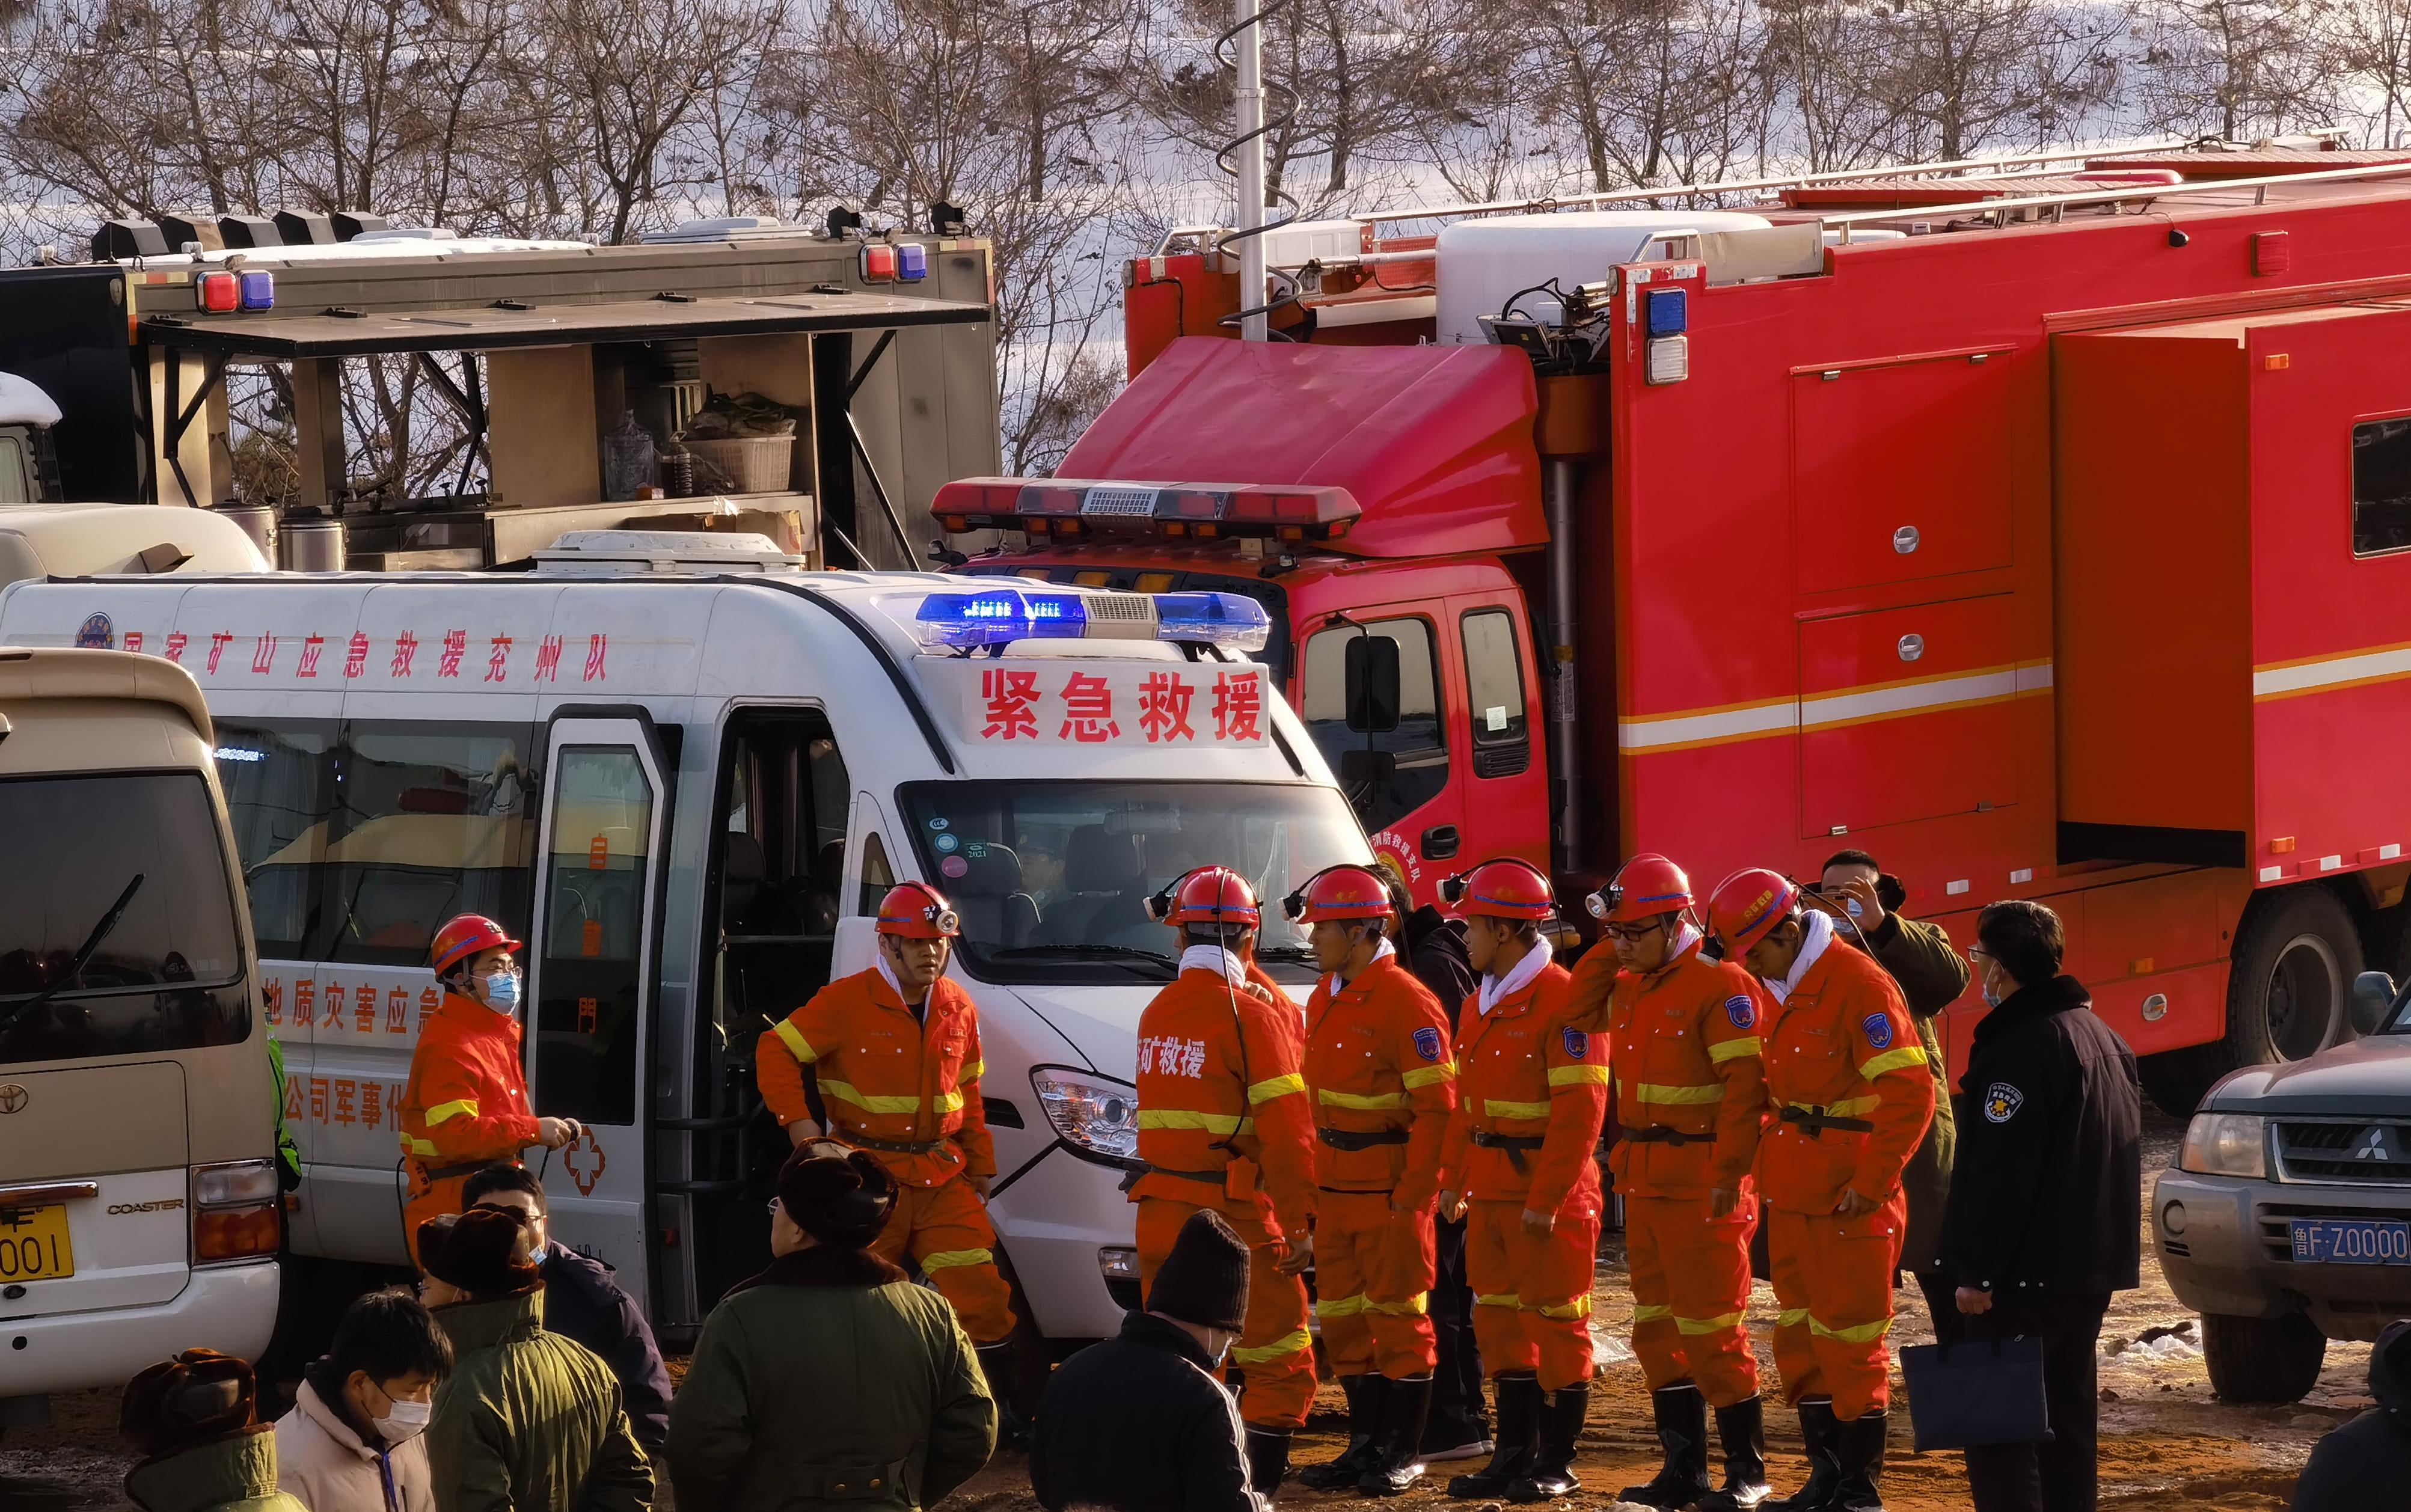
(279, 793)
(433, 821)
(594, 936)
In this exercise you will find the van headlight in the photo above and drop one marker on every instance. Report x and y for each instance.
(1096, 1116)
(2226, 1145)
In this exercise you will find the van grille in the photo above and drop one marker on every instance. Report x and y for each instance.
(2362, 1153)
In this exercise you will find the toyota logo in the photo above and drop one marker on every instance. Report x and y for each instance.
(13, 1097)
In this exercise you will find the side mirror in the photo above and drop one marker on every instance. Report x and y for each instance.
(2372, 1001)
(1372, 684)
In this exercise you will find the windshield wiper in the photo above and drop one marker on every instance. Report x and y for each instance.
(82, 956)
(1117, 954)
(1303, 954)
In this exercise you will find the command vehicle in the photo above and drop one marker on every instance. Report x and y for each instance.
(684, 770)
(2040, 527)
(139, 1210)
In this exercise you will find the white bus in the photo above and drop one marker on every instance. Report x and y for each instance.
(685, 771)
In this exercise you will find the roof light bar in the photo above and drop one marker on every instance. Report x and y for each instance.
(1200, 511)
(1231, 620)
(993, 616)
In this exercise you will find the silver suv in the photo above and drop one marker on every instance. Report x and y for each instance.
(2286, 1219)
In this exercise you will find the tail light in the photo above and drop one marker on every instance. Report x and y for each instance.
(218, 294)
(1192, 510)
(236, 1214)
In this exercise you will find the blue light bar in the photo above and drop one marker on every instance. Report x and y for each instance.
(994, 616)
(1226, 619)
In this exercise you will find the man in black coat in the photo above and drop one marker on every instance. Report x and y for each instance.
(583, 1304)
(2365, 1465)
(1140, 1423)
(2045, 1215)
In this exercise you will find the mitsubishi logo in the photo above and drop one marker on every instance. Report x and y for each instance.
(2373, 1146)
(13, 1098)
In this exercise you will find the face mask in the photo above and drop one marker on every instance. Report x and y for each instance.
(406, 1422)
(1993, 995)
(502, 992)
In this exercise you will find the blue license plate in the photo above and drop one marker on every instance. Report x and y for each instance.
(2351, 1242)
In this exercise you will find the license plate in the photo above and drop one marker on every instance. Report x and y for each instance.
(2351, 1242)
(33, 1245)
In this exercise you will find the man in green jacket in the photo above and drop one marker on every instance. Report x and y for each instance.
(195, 1421)
(528, 1421)
(1931, 974)
(833, 1337)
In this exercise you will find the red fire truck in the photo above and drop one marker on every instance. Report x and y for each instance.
(2043, 528)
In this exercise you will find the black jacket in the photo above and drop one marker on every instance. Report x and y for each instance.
(581, 1302)
(1436, 955)
(1139, 1424)
(2046, 1194)
(2365, 1465)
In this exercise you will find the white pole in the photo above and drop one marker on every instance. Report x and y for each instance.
(1251, 58)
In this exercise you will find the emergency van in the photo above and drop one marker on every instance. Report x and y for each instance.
(684, 770)
(138, 1121)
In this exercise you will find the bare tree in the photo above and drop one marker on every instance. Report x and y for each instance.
(2232, 69)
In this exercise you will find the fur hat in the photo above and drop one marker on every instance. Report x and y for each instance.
(482, 1251)
(198, 1396)
(842, 1200)
(1204, 1279)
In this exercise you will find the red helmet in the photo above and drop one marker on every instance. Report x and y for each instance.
(1643, 888)
(1208, 895)
(1746, 905)
(464, 936)
(1505, 889)
(917, 912)
(1343, 891)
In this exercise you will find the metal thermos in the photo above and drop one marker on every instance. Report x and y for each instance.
(313, 545)
(258, 521)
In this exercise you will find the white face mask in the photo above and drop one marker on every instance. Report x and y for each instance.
(404, 1421)
(502, 992)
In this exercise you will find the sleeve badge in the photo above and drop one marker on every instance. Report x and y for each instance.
(1427, 1042)
(1577, 1044)
(1878, 1028)
(1741, 1012)
(2002, 1102)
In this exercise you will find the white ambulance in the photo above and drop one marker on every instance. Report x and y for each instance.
(684, 770)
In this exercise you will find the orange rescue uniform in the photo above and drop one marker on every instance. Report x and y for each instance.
(1690, 1100)
(1379, 1078)
(1848, 1084)
(464, 1107)
(905, 1087)
(1223, 1124)
(1531, 1090)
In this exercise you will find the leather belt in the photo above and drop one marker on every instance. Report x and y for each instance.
(1353, 1140)
(1135, 1171)
(893, 1146)
(437, 1173)
(1515, 1144)
(1816, 1123)
(1661, 1134)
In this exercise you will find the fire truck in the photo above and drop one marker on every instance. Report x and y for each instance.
(2042, 526)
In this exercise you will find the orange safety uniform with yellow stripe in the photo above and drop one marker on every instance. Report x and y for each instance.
(906, 1087)
(1378, 1069)
(1224, 1124)
(1526, 1072)
(465, 1106)
(1689, 1102)
(1841, 1046)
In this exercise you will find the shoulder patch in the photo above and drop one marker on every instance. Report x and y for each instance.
(1427, 1042)
(1878, 1028)
(2002, 1102)
(1577, 1043)
(1739, 1008)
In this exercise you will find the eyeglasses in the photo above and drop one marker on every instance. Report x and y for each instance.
(776, 1207)
(1633, 934)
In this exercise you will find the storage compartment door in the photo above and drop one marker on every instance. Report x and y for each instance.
(1900, 470)
(1905, 714)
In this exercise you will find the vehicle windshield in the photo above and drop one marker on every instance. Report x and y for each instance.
(1051, 878)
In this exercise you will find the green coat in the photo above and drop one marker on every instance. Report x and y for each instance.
(829, 1381)
(1932, 975)
(232, 1475)
(528, 1421)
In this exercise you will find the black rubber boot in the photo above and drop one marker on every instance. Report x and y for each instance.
(1741, 1427)
(1395, 1467)
(1683, 1431)
(1859, 1451)
(995, 1363)
(1365, 1395)
(1552, 1475)
(1518, 1401)
(1268, 1459)
(1821, 1434)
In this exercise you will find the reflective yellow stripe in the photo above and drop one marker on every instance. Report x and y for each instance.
(1892, 1060)
(1864, 1333)
(1419, 1302)
(1369, 1102)
(844, 1092)
(1652, 1313)
(1850, 1107)
(1651, 1092)
(1424, 1076)
(944, 1257)
(1731, 1048)
(1577, 1075)
(1340, 1306)
(973, 1071)
(444, 1113)
(1515, 1110)
(1276, 1087)
(797, 1044)
(1708, 1325)
(1578, 1307)
(948, 1102)
(1791, 1317)
(1182, 1118)
(419, 1147)
(1498, 1299)
(1288, 1343)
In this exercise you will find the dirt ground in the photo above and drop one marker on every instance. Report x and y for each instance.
(2165, 1443)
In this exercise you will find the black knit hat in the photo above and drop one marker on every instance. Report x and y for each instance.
(1204, 1279)
(479, 1251)
(842, 1200)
